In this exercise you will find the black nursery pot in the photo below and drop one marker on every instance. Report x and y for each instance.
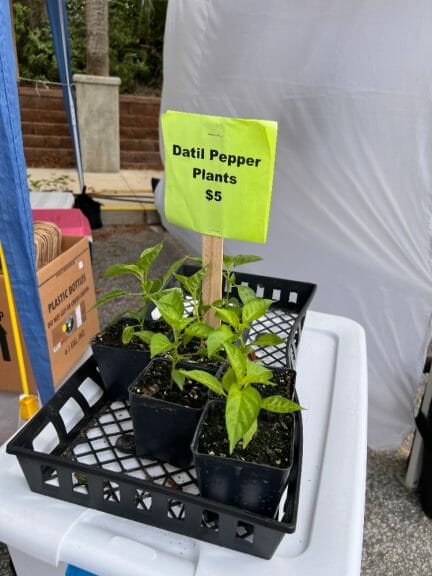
(120, 364)
(257, 488)
(164, 430)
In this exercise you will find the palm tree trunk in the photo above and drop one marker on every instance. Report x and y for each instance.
(97, 42)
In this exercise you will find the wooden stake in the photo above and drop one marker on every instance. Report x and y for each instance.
(212, 254)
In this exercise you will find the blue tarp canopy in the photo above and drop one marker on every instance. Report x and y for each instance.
(16, 225)
(57, 14)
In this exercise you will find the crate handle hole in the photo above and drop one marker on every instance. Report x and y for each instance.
(143, 500)
(210, 520)
(293, 297)
(71, 413)
(245, 531)
(50, 476)
(80, 483)
(276, 295)
(176, 509)
(47, 439)
(111, 492)
(91, 391)
(260, 290)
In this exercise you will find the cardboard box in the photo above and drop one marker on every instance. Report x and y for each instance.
(67, 295)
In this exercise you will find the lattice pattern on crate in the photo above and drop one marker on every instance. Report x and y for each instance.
(281, 323)
(97, 445)
(277, 321)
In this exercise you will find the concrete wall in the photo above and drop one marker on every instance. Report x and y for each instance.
(97, 100)
(46, 137)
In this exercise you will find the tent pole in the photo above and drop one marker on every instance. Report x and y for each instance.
(72, 110)
(28, 403)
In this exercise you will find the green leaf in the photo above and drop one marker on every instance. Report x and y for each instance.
(173, 297)
(160, 344)
(203, 308)
(148, 256)
(117, 293)
(206, 379)
(128, 334)
(246, 294)
(255, 308)
(240, 259)
(118, 269)
(257, 374)
(217, 339)
(231, 278)
(185, 339)
(169, 314)
(247, 437)
(229, 316)
(178, 378)
(199, 330)
(184, 322)
(237, 361)
(154, 286)
(268, 340)
(170, 306)
(280, 404)
(193, 284)
(234, 304)
(228, 379)
(135, 315)
(175, 266)
(146, 288)
(242, 408)
(144, 335)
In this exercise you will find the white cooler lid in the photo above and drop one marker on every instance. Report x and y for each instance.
(332, 386)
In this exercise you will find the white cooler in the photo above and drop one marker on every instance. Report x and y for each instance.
(44, 534)
(51, 200)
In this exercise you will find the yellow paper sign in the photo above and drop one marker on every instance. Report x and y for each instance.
(219, 174)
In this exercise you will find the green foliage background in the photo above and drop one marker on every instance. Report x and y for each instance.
(136, 41)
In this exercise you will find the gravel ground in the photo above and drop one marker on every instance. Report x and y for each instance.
(5, 562)
(397, 535)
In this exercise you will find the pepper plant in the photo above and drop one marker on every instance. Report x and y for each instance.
(243, 399)
(237, 320)
(230, 263)
(171, 306)
(147, 288)
(241, 382)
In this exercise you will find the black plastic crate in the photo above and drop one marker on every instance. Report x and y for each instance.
(77, 460)
(285, 317)
(68, 451)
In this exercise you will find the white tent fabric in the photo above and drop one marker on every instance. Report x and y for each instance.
(350, 85)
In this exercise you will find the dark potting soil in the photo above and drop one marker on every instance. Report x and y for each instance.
(271, 445)
(284, 384)
(111, 336)
(156, 382)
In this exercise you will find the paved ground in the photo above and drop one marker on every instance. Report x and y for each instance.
(130, 181)
(397, 535)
